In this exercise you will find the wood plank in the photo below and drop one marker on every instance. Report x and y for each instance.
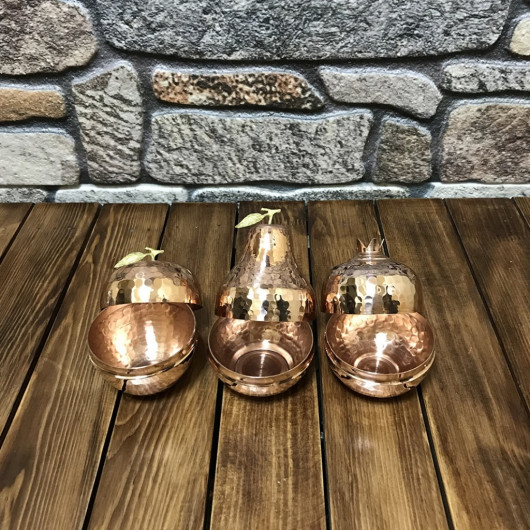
(523, 203)
(269, 468)
(11, 216)
(497, 242)
(378, 456)
(51, 453)
(480, 428)
(34, 273)
(156, 472)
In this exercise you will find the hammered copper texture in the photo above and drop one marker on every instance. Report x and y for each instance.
(144, 342)
(371, 283)
(260, 358)
(266, 284)
(383, 351)
(151, 281)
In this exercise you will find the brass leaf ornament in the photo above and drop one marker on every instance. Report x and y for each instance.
(255, 218)
(135, 257)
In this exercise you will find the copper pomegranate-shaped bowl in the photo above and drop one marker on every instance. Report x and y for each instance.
(143, 339)
(377, 341)
(262, 342)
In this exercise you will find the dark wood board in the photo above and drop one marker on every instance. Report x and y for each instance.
(479, 424)
(11, 216)
(378, 456)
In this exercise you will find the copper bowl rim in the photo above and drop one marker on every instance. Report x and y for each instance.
(359, 374)
(151, 369)
(347, 367)
(288, 374)
(148, 371)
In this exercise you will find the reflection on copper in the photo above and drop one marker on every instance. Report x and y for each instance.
(266, 284)
(377, 341)
(151, 281)
(143, 348)
(260, 358)
(371, 283)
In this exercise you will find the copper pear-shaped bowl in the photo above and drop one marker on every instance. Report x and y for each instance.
(380, 355)
(260, 358)
(151, 281)
(143, 348)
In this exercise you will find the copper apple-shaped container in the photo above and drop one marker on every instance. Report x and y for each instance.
(262, 342)
(377, 341)
(143, 339)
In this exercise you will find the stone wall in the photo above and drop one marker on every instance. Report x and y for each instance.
(174, 100)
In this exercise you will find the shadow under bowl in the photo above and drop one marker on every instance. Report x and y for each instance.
(143, 348)
(380, 355)
(260, 358)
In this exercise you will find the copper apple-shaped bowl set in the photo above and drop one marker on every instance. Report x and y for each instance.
(262, 343)
(143, 339)
(377, 341)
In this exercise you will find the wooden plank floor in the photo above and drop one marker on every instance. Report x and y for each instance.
(455, 453)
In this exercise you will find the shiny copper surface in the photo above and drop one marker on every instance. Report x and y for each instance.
(151, 281)
(266, 285)
(380, 355)
(140, 347)
(371, 283)
(260, 358)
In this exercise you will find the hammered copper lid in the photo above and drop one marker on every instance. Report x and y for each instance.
(371, 283)
(266, 284)
(151, 281)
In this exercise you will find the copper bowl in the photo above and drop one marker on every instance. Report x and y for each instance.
(380, 355)
(143, 348)
(260, 358)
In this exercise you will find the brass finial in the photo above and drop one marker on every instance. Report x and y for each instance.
(374, 246)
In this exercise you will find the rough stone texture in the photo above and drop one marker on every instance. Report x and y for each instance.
(302, 29)
(477, 76)
(362, 190)
(439, 190)
(407, 90)
(22, 195)
(270, 89)
(487, 142)
(404, 153)
(520, 42)
(43, 36)
(144, 193)
(110, 113)
(208, 148)
(21, 103)
(37, 158)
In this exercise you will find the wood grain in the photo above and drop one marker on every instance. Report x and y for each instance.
(378, 457)
(11, 215)
(34, 273)
(497, 242)
(156, 471)
(523, 203)
(51, 453)
(269, 468)
(480, 427)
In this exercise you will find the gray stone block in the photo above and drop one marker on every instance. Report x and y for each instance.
(110, 114)
(43, 36)
(301, 29)
(487, 142)
(404, 153)
(37, 159)
(141, 193)
(216, 148)
(409, 91)
(482, 76)
(360, 190)
(22, 195)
